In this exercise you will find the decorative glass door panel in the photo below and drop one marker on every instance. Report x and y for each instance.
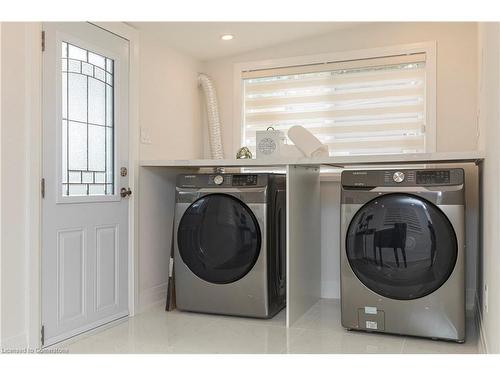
(87, 123)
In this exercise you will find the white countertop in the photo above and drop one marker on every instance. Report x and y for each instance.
(343, 161)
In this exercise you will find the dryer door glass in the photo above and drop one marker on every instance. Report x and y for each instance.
(401, 246)
(219, 238)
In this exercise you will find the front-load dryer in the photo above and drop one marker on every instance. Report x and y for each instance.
(402, 252)
(230, 233)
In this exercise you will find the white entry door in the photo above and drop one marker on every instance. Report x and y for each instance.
(85, 162)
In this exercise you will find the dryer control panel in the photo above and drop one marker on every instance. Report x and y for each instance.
(223, 180)
(244, 179)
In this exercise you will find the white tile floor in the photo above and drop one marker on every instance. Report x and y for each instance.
(319, 331)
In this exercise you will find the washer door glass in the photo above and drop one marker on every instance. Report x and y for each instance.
(219, 238)
(401, 246)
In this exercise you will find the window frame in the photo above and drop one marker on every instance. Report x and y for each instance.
(429, 48)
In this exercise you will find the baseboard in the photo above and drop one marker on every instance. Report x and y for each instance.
(14, 342)
(478, 319)
(152, 296)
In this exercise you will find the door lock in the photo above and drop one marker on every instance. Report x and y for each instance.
(125, 192)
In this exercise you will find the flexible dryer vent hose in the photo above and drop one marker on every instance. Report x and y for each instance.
(214, 131)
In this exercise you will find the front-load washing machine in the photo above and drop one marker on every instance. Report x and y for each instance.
(402, 252)
(230, 233)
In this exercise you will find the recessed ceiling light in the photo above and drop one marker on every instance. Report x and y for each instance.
(227, 37)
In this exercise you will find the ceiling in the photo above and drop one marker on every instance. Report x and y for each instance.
(201, 40)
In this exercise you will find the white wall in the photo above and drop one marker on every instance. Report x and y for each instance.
(456, 102)
(14, 184)
(489, 121)
(169, 102)
(170, 111)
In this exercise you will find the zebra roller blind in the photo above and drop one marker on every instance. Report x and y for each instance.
(358, 107)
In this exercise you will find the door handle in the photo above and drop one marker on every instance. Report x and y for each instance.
(125, 192)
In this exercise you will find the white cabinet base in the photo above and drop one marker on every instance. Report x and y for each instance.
(303, 240)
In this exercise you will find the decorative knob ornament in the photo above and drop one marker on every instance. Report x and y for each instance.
(244, 153)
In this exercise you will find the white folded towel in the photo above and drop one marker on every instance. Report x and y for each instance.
(310, 146)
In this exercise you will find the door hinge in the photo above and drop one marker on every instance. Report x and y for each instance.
(42, 187)
(43, 335)
(43, 41)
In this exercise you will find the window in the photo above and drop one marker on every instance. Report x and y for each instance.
(373, 105)
(87, 123)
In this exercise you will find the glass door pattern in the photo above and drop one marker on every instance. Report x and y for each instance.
(87, 122)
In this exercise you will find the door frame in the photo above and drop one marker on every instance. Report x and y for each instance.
(34, 126)
(1, 345)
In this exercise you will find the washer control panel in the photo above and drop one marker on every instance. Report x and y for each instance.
(399, 177)
(404, 177)
(433, 177)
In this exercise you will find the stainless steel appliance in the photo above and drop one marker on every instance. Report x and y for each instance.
(402, 252)
(230, 233)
